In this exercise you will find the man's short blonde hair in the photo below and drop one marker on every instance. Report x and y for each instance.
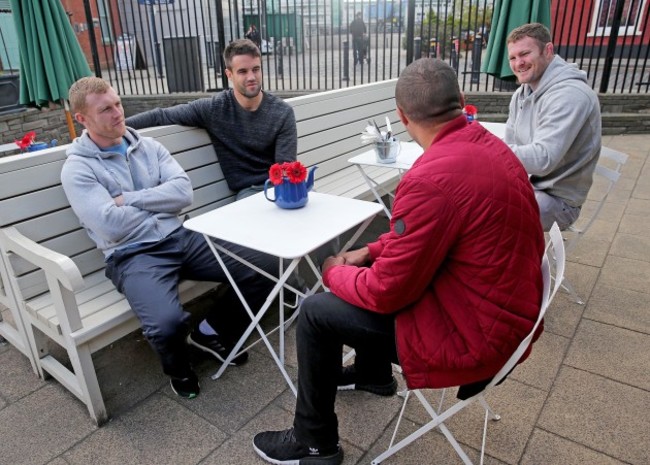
(84, 87)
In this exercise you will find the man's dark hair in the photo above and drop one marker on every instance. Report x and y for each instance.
(536, 31)
(427, 91)
(240, 47)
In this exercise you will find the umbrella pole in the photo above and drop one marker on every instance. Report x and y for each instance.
(68, 118)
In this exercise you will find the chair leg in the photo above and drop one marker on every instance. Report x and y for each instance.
(566, 285)
(436, 422)
(399, 418)
(493, 415)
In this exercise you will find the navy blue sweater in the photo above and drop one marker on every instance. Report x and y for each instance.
(247, 142)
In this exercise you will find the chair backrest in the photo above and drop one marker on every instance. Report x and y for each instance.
(555, 248)
(610, 177)
(618, 157)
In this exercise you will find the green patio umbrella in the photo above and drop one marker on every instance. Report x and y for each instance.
(507, 15)
(50, 56)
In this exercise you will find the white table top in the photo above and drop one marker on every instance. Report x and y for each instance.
(256, 223)
(498, 129)
(409, 152)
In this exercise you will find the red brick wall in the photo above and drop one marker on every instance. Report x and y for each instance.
(76, 13)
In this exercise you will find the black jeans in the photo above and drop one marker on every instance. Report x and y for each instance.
(324, 325)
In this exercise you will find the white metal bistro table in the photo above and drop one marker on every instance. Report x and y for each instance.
(409, 152)
(498, 129)
(258, 224)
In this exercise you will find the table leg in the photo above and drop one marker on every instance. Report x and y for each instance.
(255, 319)
(373, 188)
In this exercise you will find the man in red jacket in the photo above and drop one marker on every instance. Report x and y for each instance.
(449, 292)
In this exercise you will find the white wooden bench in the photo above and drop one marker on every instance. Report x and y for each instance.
(53, 279)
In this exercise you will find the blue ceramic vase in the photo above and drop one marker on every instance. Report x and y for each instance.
(290, 195)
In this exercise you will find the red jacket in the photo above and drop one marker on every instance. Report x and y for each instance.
(460, 266)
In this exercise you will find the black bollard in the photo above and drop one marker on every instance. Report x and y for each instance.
(279, 54)
(346, 60)
(417, 48)
(476, 59)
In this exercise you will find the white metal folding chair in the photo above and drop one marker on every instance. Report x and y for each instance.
(438, 417)
(610, 177)
(619, 158)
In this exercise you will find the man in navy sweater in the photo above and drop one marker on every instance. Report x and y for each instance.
(249, 128)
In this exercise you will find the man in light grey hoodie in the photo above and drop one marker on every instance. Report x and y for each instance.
(554, 124)
(127, 192)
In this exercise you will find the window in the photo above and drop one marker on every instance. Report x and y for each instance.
(630, 20)
(104, 22)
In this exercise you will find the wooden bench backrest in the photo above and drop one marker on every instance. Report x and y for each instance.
(330, 124)
(32, 199)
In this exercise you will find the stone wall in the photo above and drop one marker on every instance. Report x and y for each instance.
(622, 113)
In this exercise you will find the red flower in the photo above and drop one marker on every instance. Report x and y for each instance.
(470, 110)
(295, 172)
(275, 174)
(26, 141)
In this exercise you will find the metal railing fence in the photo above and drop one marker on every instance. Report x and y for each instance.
(147, 47)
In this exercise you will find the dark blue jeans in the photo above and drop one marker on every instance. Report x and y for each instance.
(324, 325)
(148, 276)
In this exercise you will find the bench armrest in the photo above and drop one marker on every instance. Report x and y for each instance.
(52, 263)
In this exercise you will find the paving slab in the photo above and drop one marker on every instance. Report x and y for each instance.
(41, 426)
(601, 414)
(625, 273)
(549, 449)
(620, 307)
(616, 353)
(157, 431)
(631, 246)
(18, 379)
(239, 394)
(541, 368)
(635, 224)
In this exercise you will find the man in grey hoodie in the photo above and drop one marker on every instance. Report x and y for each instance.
(554, 124)
(127, 192)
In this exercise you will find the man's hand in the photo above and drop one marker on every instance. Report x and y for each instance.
(332, 261)
(357, 257)
(119, 200)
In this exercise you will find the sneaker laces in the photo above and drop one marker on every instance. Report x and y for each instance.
(289, 436)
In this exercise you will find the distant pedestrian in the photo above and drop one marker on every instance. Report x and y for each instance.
(254, 35)
(358, 31)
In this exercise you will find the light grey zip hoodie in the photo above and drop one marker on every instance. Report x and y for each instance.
(154, 186)
(556, 131)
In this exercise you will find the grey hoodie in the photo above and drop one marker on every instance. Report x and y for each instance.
(154, 186)
(556, 132)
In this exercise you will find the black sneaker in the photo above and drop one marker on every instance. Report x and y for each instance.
(349, 381)
(282, 448)
(215, 346)
(186, 387)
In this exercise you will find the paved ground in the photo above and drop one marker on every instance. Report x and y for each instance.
(582, 397)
